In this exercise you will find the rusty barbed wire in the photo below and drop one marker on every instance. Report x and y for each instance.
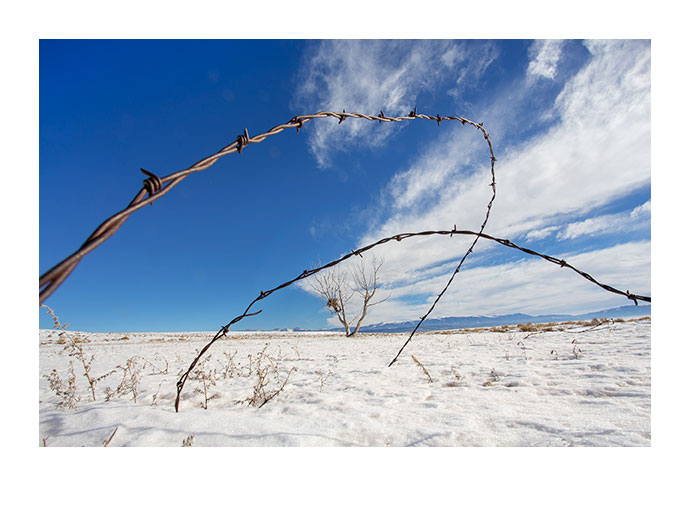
(400, 237)
(155, 187)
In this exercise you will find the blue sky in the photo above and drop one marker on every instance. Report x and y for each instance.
(569, 120)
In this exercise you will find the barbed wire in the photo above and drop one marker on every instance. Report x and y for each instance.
(155, 187)
(400, 237)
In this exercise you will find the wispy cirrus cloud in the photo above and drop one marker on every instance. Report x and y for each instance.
(593, 150)
(370, 75)
(545, 55)
(530, 286)
(621, 222)
(596, 151)
(636, 219)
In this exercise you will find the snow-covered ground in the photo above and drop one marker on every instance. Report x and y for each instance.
(583, 386)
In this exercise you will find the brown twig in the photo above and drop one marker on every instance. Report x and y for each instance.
(105, 444)
(430, 379)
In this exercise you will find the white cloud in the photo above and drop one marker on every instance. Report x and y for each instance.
(367, 76)
(530, 286)
(598, 150)
(545, 56)
(636, 219)
(541, 233)
(470, 64)
(642, 210)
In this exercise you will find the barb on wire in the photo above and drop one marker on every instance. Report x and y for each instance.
(152, 183)
(399, 237)
(158, 187)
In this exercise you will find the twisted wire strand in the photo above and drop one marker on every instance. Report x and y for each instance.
(54, 277)
(154, 187)
(400, 237)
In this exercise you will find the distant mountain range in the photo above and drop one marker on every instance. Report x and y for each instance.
(451, 323)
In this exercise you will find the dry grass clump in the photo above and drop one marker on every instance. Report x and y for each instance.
(530, 327)
(527, 327)
(593, 322)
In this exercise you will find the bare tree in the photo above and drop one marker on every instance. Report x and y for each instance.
(338, 286)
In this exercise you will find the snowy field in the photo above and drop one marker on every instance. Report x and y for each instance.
(575, 385)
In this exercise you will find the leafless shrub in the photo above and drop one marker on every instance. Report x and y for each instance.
(298, 354)
(229, 366)
(131, 379)
(430, 379)
(161, 368)
(66, 392)
(76, 351)
(337, 286)
(260, 394)
(499, 329)
(323, 377)
(206, 378)
(268, 380)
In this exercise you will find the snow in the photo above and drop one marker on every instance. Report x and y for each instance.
(583, 386)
